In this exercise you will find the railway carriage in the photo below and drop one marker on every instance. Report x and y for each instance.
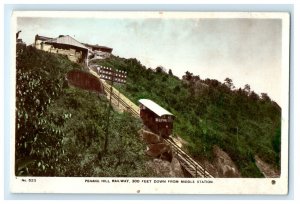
(156, 118)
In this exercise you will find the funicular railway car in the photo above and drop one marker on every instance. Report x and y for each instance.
(156, 118)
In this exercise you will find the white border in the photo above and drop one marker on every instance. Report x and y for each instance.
(219, 186)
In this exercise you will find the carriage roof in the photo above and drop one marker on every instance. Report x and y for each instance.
(154, 107)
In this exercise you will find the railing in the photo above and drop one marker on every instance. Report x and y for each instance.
(121, 101)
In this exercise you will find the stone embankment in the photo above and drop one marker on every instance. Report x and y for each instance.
(164, 163)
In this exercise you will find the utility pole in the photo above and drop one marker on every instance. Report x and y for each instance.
(237, 134)
(118, 76)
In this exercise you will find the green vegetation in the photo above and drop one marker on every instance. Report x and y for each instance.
(60, 130)
(210, 113)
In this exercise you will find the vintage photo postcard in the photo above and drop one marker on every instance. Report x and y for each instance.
(150, 102)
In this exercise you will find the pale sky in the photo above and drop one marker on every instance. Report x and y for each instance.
(246, 50)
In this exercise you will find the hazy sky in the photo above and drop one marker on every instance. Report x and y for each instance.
(246, 50)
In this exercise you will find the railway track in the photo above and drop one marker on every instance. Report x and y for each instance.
(121, 102)
(189, 164)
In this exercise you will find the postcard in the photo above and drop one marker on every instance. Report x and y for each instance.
(150, 102)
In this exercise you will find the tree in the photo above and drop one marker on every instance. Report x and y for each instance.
(265, 97)
(158, 70)
(170, 72)
(38, 134)
(253, 96)
(247, 89)
(228, 83)
(188, 76)
(196, 78)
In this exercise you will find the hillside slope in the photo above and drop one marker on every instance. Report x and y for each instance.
(60, 130)
(210, 113)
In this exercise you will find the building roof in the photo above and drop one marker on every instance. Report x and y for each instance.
(98, 46)
(66, 40)
(154, 107)
(43, 38)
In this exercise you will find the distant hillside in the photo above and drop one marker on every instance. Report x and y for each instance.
(60, 130)
(209, 113)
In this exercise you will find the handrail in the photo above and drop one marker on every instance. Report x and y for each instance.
(118, 98)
